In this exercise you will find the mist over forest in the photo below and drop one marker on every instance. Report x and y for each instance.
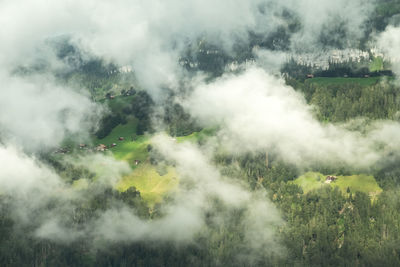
(200, 133)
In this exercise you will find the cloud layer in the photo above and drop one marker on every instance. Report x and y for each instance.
(259, 113)
(255, 110)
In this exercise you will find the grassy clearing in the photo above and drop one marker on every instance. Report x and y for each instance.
(310, 181)
(197, 136)
(151, 184)
(376, 64)
(361, 183)
(128, 149)
(131, 150)
(127, 131)
(193, 137)
(341, 80)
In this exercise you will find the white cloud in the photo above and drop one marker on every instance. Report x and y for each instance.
(389, 42)
(36, 113)
(259, 113)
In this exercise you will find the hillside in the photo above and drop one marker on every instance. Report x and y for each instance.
(257, 133)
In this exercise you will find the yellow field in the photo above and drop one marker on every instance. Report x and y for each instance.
(150, 183)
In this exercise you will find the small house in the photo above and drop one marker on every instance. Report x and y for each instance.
(113, 144)
(101, 147)
(121, 139)
(330, 179)
(310, 76)
(82, 146)
(62, 150)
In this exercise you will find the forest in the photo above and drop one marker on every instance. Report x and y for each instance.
(322, 227)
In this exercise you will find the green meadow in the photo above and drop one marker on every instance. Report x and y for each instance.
(131, 148)
(341, 80)
(376, 64)
(151, 182)
(356, 183)
(197, 136)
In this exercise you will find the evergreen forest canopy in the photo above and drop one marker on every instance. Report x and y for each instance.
(169, 133)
